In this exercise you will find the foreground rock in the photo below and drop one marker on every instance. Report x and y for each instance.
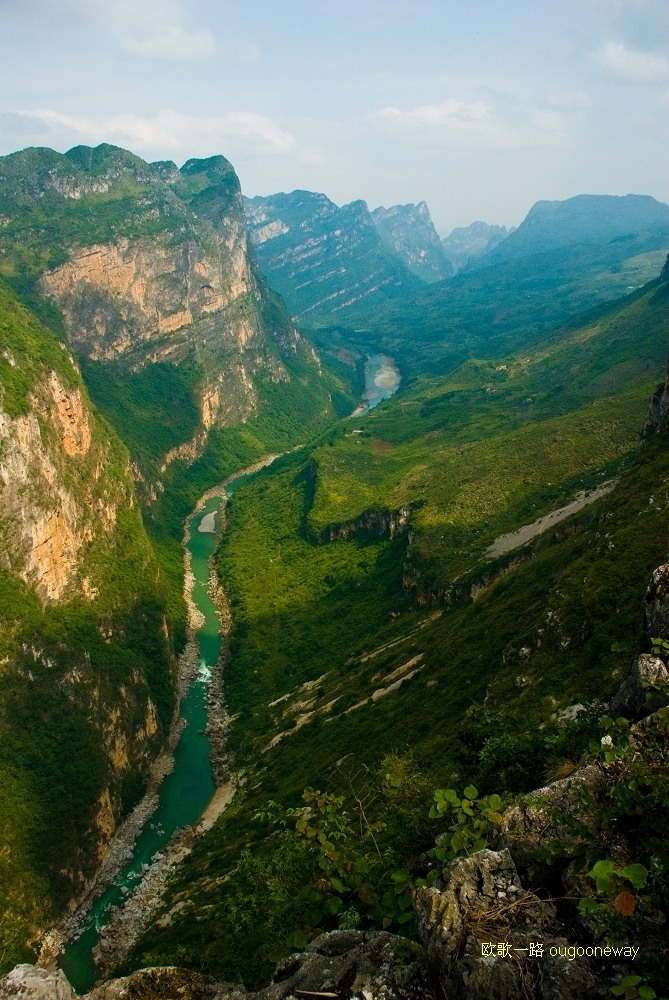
(352, 964)
(166, 983)
(31, 983)
(485, 936)
(366, 965)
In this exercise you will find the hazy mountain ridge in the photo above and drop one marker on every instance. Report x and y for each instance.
(324, 260)
(410, 231)
(586, 218)
(468, 242)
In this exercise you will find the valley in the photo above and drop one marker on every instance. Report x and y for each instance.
(423, 500)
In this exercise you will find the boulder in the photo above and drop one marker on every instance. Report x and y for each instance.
(545, 815)
(632, 700)
(656, 603)
(166, 983)
(32, 983)
(364, 964)
(487, 938)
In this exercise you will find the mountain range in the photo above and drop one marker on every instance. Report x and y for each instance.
(440, 591)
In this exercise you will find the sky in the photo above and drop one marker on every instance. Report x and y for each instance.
(479, 107)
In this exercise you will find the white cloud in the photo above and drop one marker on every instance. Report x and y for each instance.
(503, 120)
(640, 67)
(167, 133)
(449, 114)
(170, 41)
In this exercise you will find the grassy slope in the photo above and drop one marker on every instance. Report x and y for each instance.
(536, 640)
(52, 764)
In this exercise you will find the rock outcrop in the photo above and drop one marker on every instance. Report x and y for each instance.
(485, 936)
(371, 524)
(148, 263)
(351, 964)
(83, 711)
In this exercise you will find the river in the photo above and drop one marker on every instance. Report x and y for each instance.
(382, 379)
(188, 788)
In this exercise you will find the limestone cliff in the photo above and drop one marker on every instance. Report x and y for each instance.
(150, 264)
(86, 668)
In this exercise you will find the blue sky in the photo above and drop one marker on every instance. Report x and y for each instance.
(480, 107)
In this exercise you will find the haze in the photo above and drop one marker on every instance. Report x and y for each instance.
(479, 108)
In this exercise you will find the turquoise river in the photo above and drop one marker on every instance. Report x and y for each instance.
(188, 789)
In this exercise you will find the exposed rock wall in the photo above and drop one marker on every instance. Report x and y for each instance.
(83, 710)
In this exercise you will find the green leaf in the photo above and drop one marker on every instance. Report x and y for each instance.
(299, 940)
(602, 873)
(367, 894)
(647, 993)
(333, 905)
(404, 918)
(630, 980)
(471, 792)
(636, 874)
(494, 802)
(336, 884)
(401, 876)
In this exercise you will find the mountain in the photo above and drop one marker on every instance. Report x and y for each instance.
(587, 218)
(409, 230)
(87, 685)
(392, 635)
(476, 240)
(146, 272)
(501, 301)
(322, 259)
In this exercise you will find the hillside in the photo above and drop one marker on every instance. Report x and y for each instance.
(572, 256)
(467, 242)
(373, 625)
(145, 270)
(87, 678)
(505, 305)
(409, 230)
(324, 260)
(587, 218)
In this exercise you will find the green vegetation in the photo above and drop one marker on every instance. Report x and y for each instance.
(66, 669)
(505, 307)
(345, 653)
(325, 260)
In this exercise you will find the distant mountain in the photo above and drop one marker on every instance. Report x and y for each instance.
(472, 241)
(587, 218)
(410, 232)
(321, 258)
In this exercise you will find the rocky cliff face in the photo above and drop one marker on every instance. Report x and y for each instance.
(86, 682)
(409, 230)
(325, 261)
(147, 264)
(473, 241)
